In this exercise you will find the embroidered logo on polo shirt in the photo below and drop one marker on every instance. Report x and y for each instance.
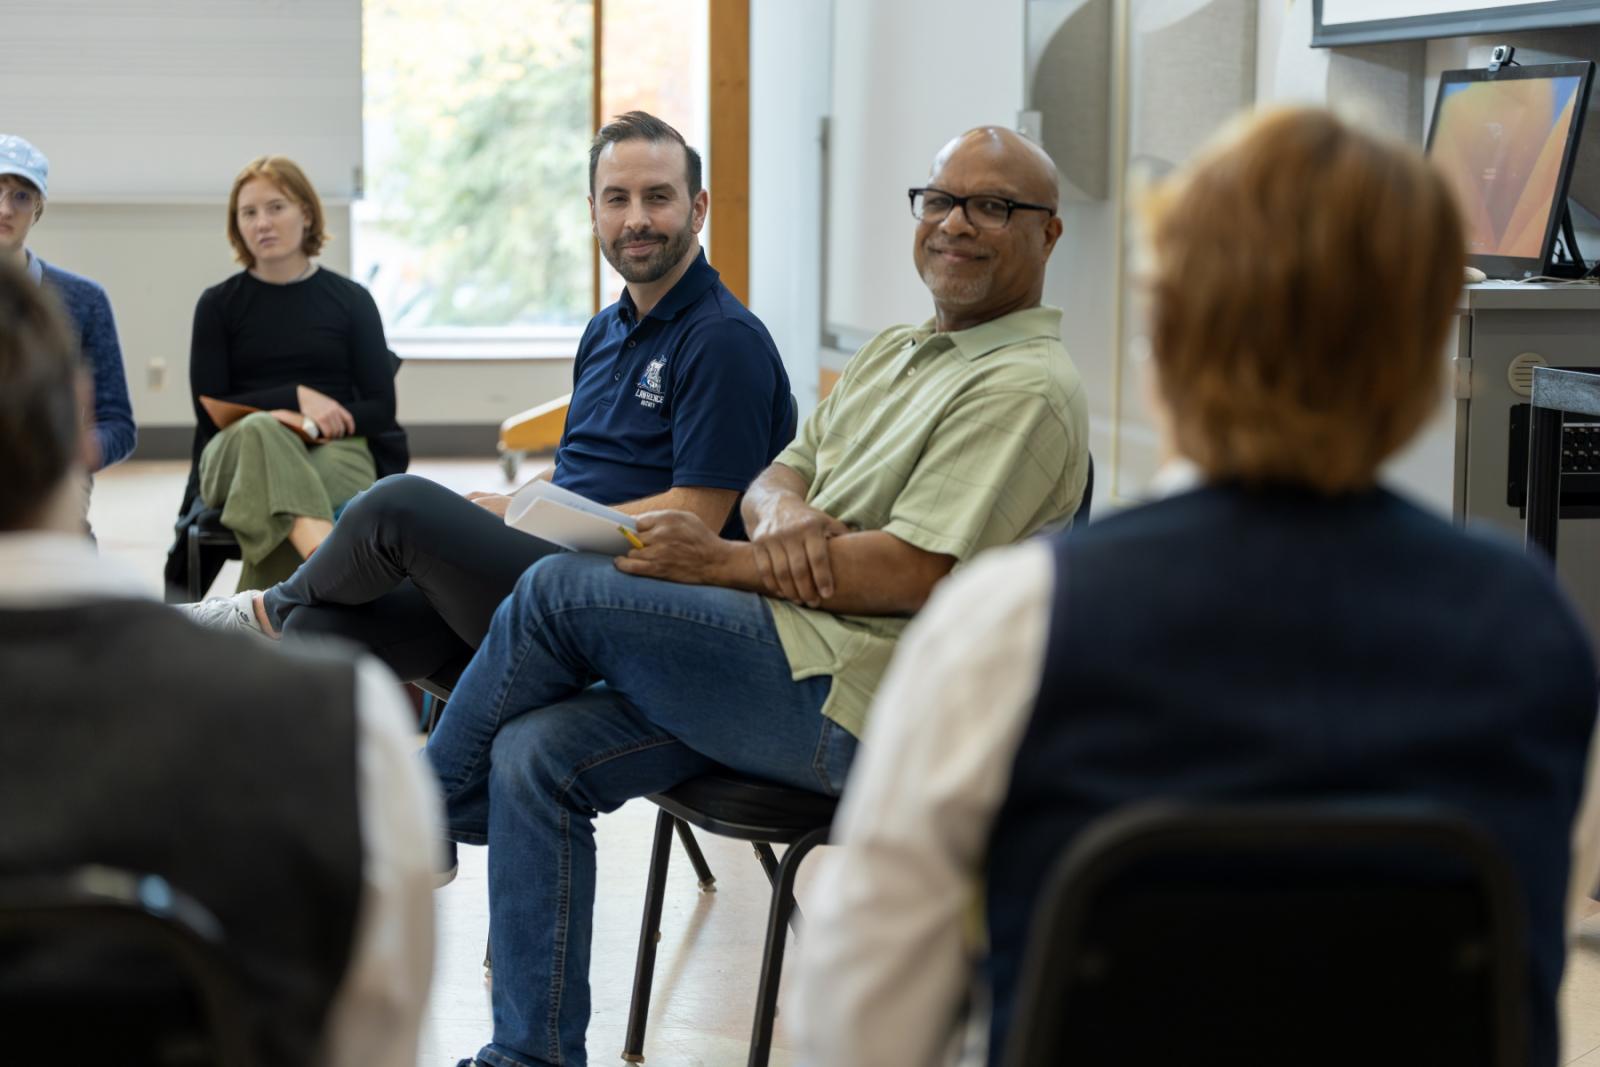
(650, 391)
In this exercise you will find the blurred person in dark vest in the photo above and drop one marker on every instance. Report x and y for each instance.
(137, 740)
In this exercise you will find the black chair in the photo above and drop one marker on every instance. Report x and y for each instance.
(1313, 934)
(439, 686)
(1081, 516)
(764, 813)
(102, 965)
(208, 544)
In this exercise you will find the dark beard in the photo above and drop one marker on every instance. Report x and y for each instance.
(662, 260)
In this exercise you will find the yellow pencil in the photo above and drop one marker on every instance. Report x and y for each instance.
(633, 538)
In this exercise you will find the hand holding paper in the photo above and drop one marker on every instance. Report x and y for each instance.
(568, 519)
(676, 546)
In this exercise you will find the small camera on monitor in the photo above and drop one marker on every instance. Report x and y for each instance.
(1501, 56)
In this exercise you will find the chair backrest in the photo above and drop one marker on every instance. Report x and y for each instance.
(102, 965)
(791, 421)
(1306, 934)
(1080, 518)
(391, 449)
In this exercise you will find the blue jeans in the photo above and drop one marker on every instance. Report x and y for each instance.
(593, 687)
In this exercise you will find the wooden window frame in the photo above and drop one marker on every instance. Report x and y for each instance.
(729, 139)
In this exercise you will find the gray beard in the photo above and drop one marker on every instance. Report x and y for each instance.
(960, 292)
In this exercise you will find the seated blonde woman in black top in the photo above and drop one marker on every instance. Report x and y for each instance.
(291, 380)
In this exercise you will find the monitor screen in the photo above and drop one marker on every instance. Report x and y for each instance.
(1505, 145)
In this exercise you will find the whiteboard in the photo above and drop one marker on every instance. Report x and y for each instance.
(1339, 12)
(137, 100)
(1352, 22)
(908, 75)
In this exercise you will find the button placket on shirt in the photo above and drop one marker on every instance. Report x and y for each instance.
(911, 347)
(915, 348)
(631, 343)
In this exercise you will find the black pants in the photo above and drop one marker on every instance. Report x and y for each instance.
(412, 571)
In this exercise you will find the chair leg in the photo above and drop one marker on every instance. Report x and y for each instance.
(196, 590)
(644, 967)
(691, 847)
(435, 708)
(778, 918)
(769, 863)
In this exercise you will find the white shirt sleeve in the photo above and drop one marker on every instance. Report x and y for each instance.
(887, 953)
(377, 1013)
(1586, 842)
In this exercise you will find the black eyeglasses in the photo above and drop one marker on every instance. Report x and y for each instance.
(982, 210)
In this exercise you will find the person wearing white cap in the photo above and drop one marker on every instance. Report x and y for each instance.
(24, 187)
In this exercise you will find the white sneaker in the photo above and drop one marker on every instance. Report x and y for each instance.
(235, 614)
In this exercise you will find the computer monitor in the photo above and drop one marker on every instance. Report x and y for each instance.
(1505, 141)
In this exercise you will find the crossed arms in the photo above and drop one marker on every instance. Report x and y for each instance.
(795, 552)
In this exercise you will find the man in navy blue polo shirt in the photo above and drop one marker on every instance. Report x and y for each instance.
(679, 400)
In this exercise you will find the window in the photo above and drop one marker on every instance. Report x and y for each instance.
(474, 234)
(653, 58)
(477, 121)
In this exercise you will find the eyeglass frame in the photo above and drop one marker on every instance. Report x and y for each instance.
(961, 202)
(11, 194)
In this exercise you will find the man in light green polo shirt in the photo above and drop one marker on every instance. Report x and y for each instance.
(603, 680)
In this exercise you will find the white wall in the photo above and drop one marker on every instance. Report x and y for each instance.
(908, 75)
(169, 97)
(893, 84)
(789, 79)
(916, 95)
(153, 260)
(895, 89)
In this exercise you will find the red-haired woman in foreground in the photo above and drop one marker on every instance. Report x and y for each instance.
(1279, 628)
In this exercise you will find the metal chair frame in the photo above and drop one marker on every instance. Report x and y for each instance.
(440, 690)
(782, 913)
(201, 534)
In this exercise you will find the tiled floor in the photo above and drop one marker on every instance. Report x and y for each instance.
(710, 943)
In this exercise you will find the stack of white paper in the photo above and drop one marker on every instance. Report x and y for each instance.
(568, 519)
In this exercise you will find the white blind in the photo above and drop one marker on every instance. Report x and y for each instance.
(167, 99)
